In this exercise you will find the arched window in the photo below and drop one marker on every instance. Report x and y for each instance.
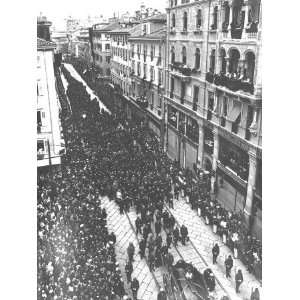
(223, 60)
(226, 12)
(197, 59)
(185, 21)
(172, 55)
(212, 61)
(173, 20)
(171, 3)
(234, 61)
(199, 18)
(184, 55)
(250, 65)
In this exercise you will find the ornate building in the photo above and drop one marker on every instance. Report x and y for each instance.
(214, 97)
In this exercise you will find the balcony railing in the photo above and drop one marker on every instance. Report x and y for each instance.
(232, 84)
(223, 121)
(195, 106)
(180, 67)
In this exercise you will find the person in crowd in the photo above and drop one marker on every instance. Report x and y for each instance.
(130, 252)
(176, 236)
(255, 294)
(138, 225)
(134, 287)
(184, 234)
(215, 252)
(161, 295)
(142, 246)
(128, 270)
(228, 266)
(238, 280)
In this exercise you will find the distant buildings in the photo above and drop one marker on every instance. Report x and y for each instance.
(49, 139)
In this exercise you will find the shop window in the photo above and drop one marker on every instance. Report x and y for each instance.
(181, 123)
(172, 116)
(215, 18)
(192, 130)
(208, 141)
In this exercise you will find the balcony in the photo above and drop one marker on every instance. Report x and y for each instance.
(184, 31)
(142, 102)
(198, 30)
(231, 83)
(223, 121)
(209, 115)
(180, 70)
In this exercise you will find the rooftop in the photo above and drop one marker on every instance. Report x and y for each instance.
(108, 27)
(45, 45)
(155, 35)
(161, 18)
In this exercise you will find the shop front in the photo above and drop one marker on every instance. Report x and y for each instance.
(155, 128)
(232, 176)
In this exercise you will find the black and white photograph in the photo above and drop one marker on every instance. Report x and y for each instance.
(149, 151)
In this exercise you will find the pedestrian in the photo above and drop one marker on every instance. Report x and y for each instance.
(142, 246)
(169, 239)
(176, 236)
(128, 270)
(138, 225)
(228, 266)
(157, 227)
(134, 287)
(130, 252)
(151, 260)
(184, 234)
(238, 280)
(215, 252)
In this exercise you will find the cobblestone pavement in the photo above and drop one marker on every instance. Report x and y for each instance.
(203, 239)
(124, 233)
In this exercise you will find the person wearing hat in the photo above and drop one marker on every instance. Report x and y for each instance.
(184, 234)
(176, 236)
(238, 280)
(228, 266)
(215, 252)
(130, 251)
(128, 270)
(142, 246)
(134, 287)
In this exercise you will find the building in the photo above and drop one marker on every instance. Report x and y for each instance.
(100, 47)
(120, 62)
(148, 71)
(214, 97)
(61, 39)
(79, 45)
(49, 139)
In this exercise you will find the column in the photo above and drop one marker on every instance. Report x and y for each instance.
(200, 144)
(250, 187)
(215, 157)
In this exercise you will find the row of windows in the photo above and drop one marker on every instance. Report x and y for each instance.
(99, 58)
(99, 47)
(120, 39)
(152, 72)
(184, 57)
(121, 52)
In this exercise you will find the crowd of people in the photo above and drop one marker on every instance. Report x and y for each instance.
(196, 186)
(76, 258)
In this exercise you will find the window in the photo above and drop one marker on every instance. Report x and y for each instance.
(107, 72)
(145, 52)
(195, 97)
(107, 46)
(39, 118)
(39, 88)
(159, 102)
(132, 50)
(100, 47)
(184, 55)
(197, 59)
(139, 68)
(145, 71)
(215, 18)
(107, 58)
(152, 74)
(185, 21)
(198, 19)
(223, 61)
(144, 29)
(40, 146)
(182, 95)
(172, 55)
(225, 106)
(212, 61)
(100, 58)
(152, 53)
(152, 101)
(172, 87)
(160, 77)
(173, 21)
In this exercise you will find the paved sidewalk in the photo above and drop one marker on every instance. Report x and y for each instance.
(203, 238)
(124, 234)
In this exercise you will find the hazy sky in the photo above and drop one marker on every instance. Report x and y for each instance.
(57, 10)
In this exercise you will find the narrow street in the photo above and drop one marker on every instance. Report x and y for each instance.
(203, 239)
(124, 233)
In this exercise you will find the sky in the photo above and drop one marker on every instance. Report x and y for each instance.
(57, 10)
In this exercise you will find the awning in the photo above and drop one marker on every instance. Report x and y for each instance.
(235, 112)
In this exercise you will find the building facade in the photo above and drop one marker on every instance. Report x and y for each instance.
(79, 45)
(147, 55)
(49, 139)
(100, 46)
(214, 97)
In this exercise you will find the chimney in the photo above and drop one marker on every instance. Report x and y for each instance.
(43, 28)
